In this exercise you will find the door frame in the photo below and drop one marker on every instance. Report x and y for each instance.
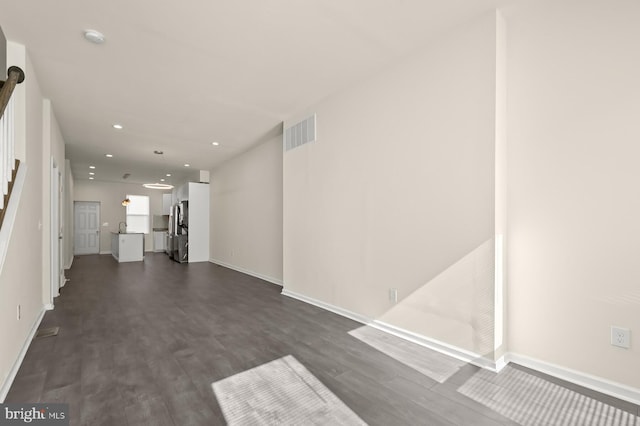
(55, 234)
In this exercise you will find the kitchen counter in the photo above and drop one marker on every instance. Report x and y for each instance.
(127, 247)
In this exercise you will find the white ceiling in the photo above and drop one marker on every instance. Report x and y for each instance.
(179, 75)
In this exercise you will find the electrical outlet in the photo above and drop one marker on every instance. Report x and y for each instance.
(18, 311)
(393, 295)
(621, 337)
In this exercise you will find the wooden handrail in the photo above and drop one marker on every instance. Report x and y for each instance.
(6, 197)
(15, 76)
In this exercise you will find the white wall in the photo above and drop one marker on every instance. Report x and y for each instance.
(246, 212)
(22, 274)
(398, 192)
(110, 196)
(574, 209)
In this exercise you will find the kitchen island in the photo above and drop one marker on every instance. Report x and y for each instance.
(127, 247)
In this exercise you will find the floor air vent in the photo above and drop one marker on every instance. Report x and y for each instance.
(300, 133)
(47, 332)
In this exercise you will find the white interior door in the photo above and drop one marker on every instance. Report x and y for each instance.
(86, 216)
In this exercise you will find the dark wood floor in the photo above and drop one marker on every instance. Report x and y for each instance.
(141, 343)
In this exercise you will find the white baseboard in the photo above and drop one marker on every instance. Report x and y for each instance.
(70, 264)
(4, 390)
(272, 280)
(326, 306)
(436, 345)
(48, 307)
(598, 384)
(106, 252)
(501, 363)
(419, 339)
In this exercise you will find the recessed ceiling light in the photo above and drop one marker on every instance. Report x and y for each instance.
(187, 165)
(215, 143)
(117, 126)
(161, 180)
(91, 178)
(91, 173)
(94, 36)
(108, 155)
(157, 186)
(92, 167)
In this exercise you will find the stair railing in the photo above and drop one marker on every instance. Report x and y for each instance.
(8, 163)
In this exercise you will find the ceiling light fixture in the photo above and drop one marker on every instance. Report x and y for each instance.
(117, 126)
(215, 143)
(92, 167)
(109, 155)
(187, 165)
(157, 186)
(91, 173)
(158, 152)
(161, 180)
(126, 202)
(90, 178)
(94, 36)
(168, 174)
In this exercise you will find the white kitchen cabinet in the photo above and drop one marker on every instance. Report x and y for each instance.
(198, 196)
(159, 240)
(127, 247)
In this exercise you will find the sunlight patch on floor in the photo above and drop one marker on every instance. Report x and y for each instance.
(531, 400)
(281, 392)
(432, 364)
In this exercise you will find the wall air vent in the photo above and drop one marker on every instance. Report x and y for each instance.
(300, 133)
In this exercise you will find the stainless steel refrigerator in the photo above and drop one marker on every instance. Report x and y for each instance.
(179, 232)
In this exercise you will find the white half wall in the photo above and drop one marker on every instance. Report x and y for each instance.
(21, 277)
(246, 212)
